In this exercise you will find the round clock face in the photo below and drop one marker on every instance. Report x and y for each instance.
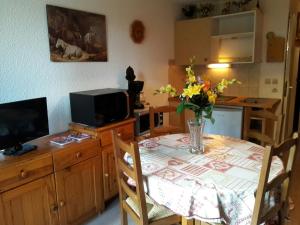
(137, 31)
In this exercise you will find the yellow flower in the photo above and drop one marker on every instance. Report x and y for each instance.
(192, 90)
(212, 98)
(192, 79)
(167, 89)
(189, 70)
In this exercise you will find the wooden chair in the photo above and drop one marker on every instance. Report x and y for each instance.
(262, 212)
(267, 135)
(142, 209)
(161, 130)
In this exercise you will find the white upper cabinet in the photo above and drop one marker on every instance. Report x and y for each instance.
(232, 38)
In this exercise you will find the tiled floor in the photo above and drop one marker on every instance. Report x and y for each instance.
(110, 216)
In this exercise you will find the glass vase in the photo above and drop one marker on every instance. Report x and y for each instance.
(196, 128)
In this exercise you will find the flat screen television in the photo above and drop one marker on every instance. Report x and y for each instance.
(22, 121)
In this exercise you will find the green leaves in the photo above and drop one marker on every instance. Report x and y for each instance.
(180, 107)
(208, 110)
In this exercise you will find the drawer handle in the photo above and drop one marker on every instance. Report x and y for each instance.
(119, 135)
(62, 203)
(23, 174)
(78, 155)
(106, 175)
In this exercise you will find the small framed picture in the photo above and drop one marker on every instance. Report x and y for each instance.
(76, 36)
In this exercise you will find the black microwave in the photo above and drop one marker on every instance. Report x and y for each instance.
(99, 107)
(142, 121)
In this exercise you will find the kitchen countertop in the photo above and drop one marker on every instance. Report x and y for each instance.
(264, 103)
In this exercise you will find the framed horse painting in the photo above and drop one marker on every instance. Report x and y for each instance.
(76, 36)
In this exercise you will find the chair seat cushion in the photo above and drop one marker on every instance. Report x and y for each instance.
(155, 211)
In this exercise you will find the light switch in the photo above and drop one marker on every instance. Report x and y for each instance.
(274, 90)
(274, 81)
(267, 81)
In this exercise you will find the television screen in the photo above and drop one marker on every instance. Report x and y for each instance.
(23, 121)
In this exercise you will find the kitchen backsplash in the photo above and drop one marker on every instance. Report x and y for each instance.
(247, 74)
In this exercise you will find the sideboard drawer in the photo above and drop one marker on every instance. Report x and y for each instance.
(126, 132)
(24, 172)
(75, 153)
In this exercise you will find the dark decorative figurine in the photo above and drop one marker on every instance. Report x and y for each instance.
(189, 11)
(240, 5)
(227, 8)
(206, 9)
(134, 89)
(236, 6)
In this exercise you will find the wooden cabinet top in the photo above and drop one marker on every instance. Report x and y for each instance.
(46, 148)
(88, 129)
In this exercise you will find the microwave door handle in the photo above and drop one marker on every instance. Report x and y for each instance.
(127, 100)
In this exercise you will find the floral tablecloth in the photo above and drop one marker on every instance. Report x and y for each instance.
(216, 186)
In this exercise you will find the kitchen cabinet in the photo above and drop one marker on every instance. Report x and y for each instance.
(78, 191)
(236, 38)
(233, 38)
(33, 203)
(192, 38)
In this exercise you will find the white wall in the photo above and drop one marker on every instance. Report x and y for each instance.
(27, 72)
(275, 19)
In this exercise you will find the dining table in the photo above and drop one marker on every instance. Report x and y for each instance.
(216, 186)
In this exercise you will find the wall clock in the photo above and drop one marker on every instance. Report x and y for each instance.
(137, 31)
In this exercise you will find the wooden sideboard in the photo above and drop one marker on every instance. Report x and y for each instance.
(103, 134)
(60, 185)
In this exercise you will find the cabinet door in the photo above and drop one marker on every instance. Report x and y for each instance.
(193, 38)
(31, 204)
(79, 192)
(109, 173)
(2, 212)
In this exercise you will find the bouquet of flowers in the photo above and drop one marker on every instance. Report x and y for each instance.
(198, 95)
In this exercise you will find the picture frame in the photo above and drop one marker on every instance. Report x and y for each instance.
(76, 36)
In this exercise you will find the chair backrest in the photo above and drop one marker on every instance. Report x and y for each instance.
(124, 171)
(260, 214)
(156, 131)
(267, 135)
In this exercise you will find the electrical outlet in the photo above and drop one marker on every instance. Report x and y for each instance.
(274, 81)
(267, 81)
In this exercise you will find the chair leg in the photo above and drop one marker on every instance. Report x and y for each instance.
(124, 219)
(185, 221)
(197, 222)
